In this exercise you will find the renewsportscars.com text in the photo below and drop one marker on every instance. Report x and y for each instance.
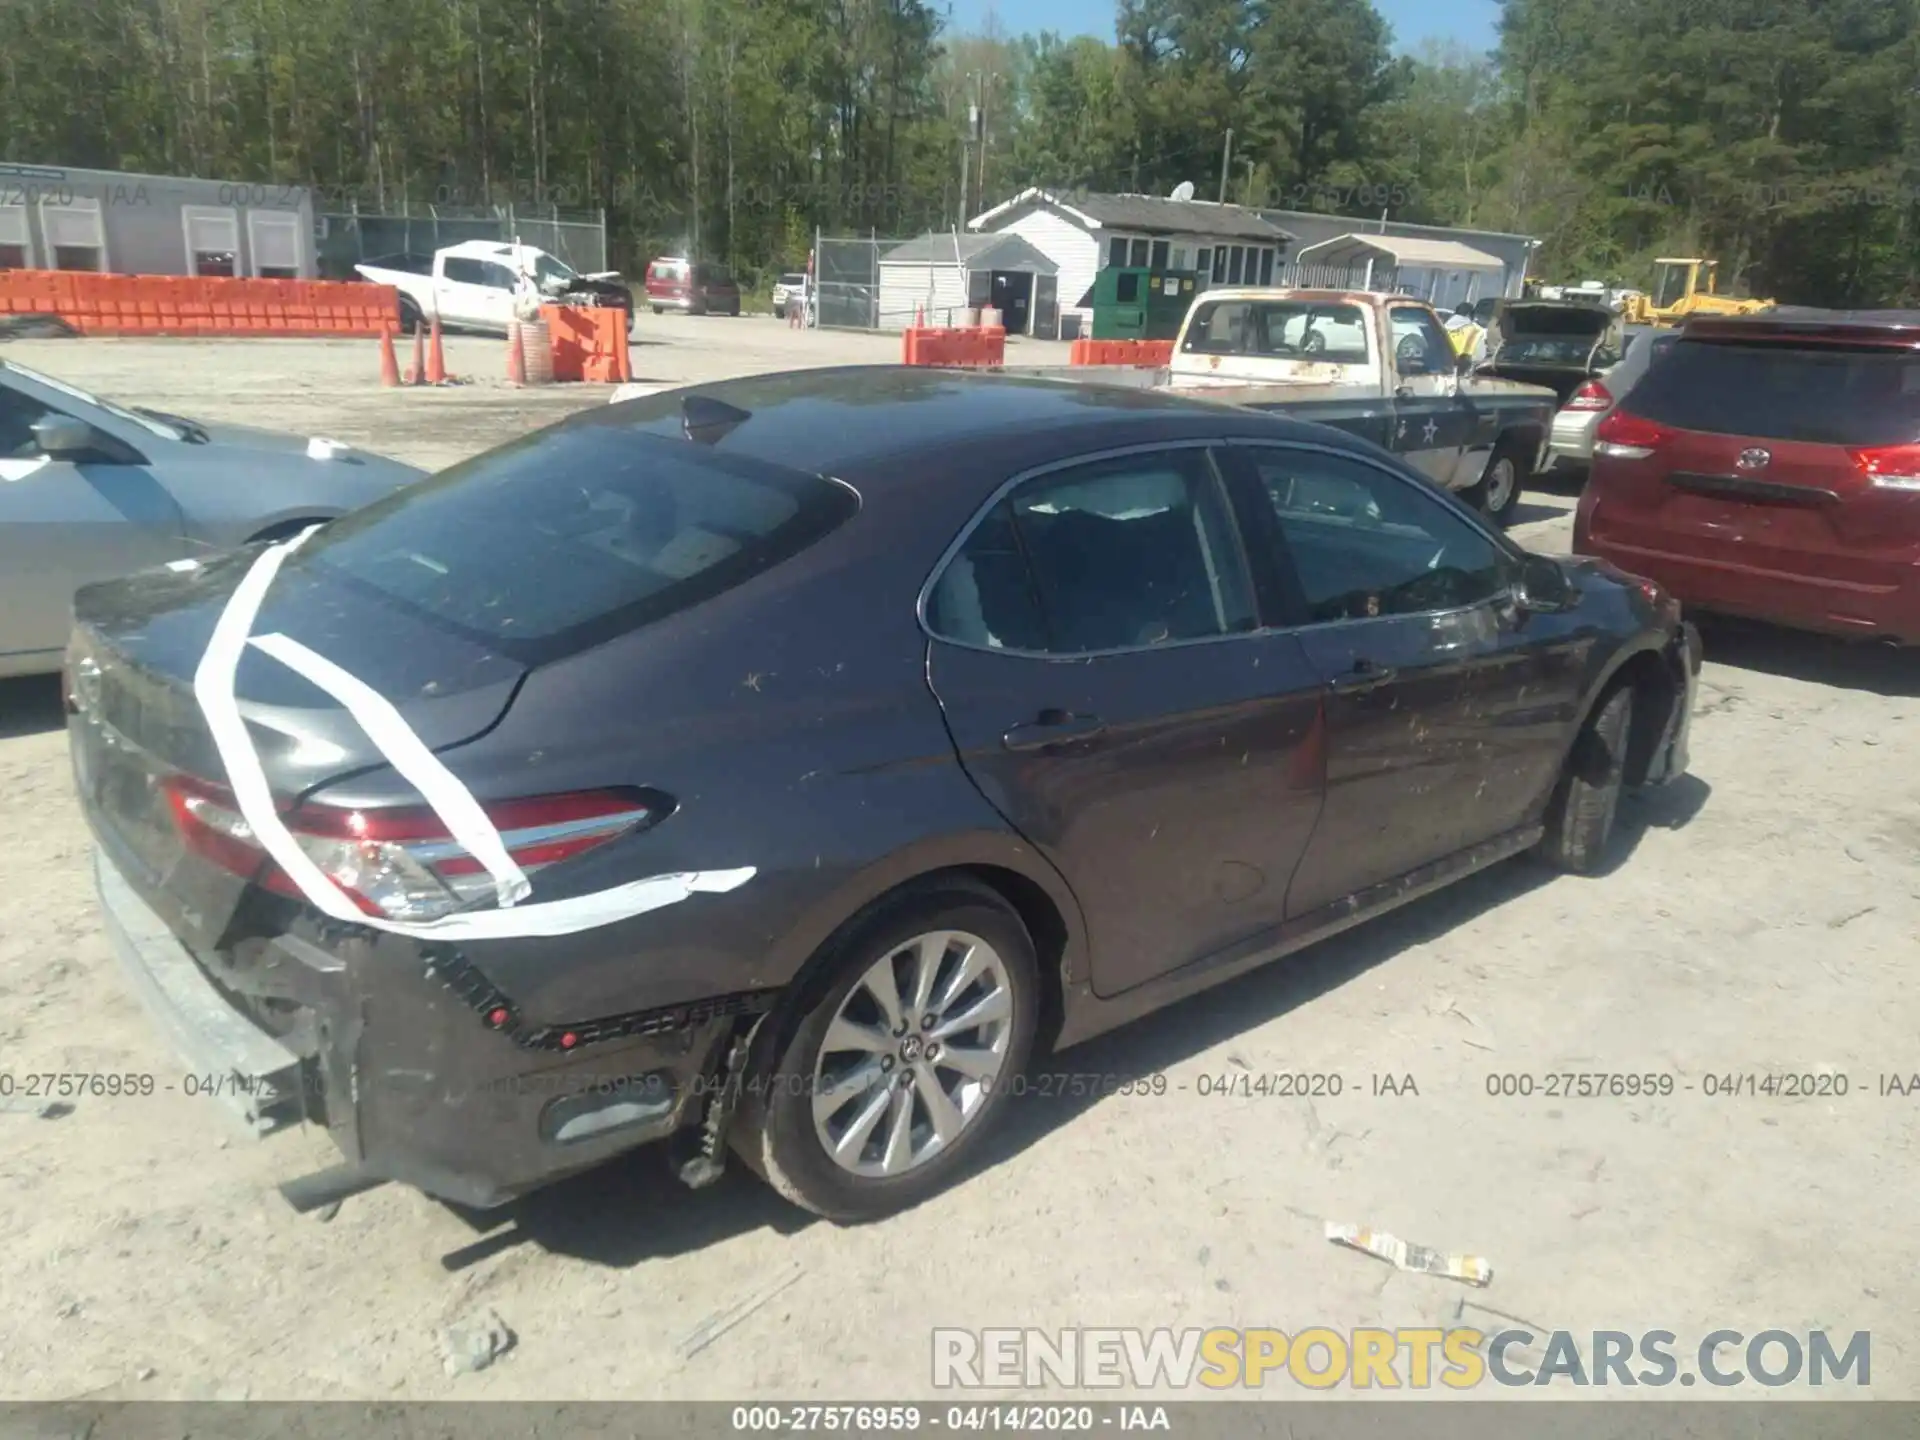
(1461, 1358)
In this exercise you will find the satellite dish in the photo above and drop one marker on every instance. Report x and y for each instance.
(1183, 191)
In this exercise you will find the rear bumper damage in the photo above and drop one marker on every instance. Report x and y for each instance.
(417, 1069)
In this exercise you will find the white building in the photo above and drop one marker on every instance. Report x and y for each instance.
(938, 276)
(1082, 233)
(1444, 273)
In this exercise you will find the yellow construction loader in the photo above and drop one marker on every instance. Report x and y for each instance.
(1683, 287)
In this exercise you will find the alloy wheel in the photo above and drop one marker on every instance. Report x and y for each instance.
(1500, 481)
(912, 1054)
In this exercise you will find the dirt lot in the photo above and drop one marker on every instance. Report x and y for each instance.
(1762, 919)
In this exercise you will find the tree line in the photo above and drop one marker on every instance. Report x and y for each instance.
(1780, 136)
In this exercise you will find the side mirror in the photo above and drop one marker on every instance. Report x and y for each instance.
(61, 437)
(1543, 585)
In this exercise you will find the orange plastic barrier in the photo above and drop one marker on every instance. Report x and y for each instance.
(96, 304)
(983, 346)
(1122, 352)
(589, 343)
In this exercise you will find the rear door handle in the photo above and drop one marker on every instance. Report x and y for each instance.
(1052, 727)
(1364, 676)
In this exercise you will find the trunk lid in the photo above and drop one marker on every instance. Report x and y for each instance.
(1764, 455)
(1559, 346)
(135, 725)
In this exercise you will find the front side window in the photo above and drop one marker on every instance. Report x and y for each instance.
(497, 277)
(1363, 543)
(1116, 555)
(18, 415)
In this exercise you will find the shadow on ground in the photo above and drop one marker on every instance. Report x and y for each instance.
(1817, 659)
(30, 705)
(633, 1209)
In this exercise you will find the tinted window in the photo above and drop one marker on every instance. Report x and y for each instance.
(1120, 554)
(1776, 392)
(1283, 329)
(18, 415)
(1362, 542)
(497, 277)
(574, 534)
(465, 272)
(1420, 346)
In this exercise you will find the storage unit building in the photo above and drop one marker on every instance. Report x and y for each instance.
(1084, 233)
(940, 276)
(57, 218)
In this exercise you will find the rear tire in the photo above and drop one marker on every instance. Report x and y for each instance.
(1497, 493)
(892, 1154)
(659, 309)
(1581, 815)
(410, 315)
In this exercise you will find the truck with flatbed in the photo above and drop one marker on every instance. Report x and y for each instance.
(1377, 365)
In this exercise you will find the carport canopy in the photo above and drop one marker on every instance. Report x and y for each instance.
(1398, 250)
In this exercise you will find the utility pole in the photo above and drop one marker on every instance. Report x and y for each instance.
(981, 188)
(964, 154)
(1226, 158)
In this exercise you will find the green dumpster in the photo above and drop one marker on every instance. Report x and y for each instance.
(1141, 304)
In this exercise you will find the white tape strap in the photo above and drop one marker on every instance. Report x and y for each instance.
(213, 682)
(407, 753)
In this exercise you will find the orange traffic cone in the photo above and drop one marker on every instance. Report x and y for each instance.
(417, 372)
(436, 361)
(516, 357)
(389, 366)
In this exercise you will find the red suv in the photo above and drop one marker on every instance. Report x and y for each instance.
(674, 283)
(1772, 469)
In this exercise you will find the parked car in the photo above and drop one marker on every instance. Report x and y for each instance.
(91, 490)
(1560, 345)
(698, 289)
(1571, 444)
(789, 290)
(477, 284)
(1772, 471)
(760, 685)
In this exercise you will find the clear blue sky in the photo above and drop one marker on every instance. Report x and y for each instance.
(1468, 21)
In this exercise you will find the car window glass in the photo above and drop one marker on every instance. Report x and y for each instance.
(985, 596)
(1362, 542)
(1420, 346)
(496, 277)
(1136, 551)
(1774, 391)
(18, 415)
(465, 272)
(629, 527)
(1283, 330)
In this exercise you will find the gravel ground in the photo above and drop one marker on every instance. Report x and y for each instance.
(1761, 919)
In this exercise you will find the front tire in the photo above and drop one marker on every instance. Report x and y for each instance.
(1497, 493)
(901, 1056)
(1581, 815)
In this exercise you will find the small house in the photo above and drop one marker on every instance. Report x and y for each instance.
(938, 276)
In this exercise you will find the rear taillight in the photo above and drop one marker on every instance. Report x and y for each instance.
(1590, 396)
(403, 864)
(1889, 467)
(1628, 437)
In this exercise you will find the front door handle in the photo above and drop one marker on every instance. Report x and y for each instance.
(1052, 727)
(1364, 676)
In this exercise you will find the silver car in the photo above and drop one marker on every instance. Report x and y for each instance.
(1571, 443)
(90, 490)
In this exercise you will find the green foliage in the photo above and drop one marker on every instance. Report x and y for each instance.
(1781, 137)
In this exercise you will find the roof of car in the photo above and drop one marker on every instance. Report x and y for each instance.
(832, 421)
(1899, 328)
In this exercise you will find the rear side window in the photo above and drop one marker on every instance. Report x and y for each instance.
(1117, 555)
(1281, 330)
(1779, 392)
(576, 534)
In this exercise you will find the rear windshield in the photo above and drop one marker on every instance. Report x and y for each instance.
(1280, 330)
(576, 534)
(1779, 392)
(669, 270)
(713, 275)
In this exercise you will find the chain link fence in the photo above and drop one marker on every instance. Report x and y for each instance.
(350, 236)
(846, 273)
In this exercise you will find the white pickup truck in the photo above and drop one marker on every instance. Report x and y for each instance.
(484, 284)
(1380, 366)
